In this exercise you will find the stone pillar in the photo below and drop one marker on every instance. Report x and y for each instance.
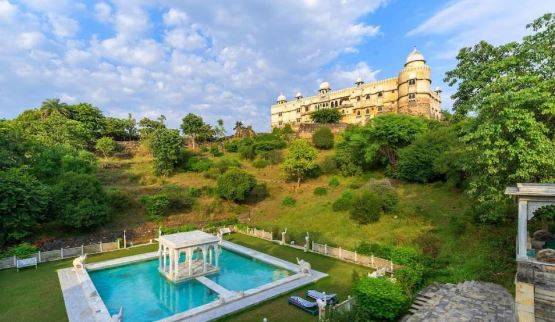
(204, 249)
(210, 251)
(176, 262)
(217, 251)
(190, 259)
(164, 259)
(160, 256)
(522, 229)
(171, 261)
(524, 301)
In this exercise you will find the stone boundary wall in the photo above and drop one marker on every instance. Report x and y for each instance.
(306, 130)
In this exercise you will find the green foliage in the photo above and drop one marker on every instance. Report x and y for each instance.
(23, 250)
(199, 164)
(118, 199)
(156, 205)
(334, 182)
(398, 255)
(23, 203)
(300, 160)
(345, 202)
(166, 146)
(215, 151)
(273, 156)
(366, 208)
(511, 139)
(80, 201)
(365, 146)
(148, 126)
(323, 138)
(259, 193)
(193, 126)
(326, 116)
(180, 198)
(231, 145)
(320, 191)
(106, 145)
(379, 299)
(410, 277)
(225, 164)
(178, 229)
(260, 163)
(121, 129)
(387, 194)
(328, 165)
(289, 201)
(247, 152)
(235, 185)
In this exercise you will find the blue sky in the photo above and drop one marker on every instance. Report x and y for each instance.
(230, 59)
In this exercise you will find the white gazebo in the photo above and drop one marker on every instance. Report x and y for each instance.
(202, 251)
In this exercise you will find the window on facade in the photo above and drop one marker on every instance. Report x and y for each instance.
(358, 98)
(280, 123)
(298, 120)
(306, 109)
(367, 111)
(279, 114)
(412, 96)
(380, 108)
(298, 110)
(412, 81)
(343, 111)
(380, 94)
(367, 96)
(358, 113)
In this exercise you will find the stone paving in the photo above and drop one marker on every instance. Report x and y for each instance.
(467, 301)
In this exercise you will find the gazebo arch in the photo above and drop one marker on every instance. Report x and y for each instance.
(172, 246)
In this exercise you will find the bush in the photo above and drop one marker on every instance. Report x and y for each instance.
(379, 299)
(326, 116)
(259, 192)
(80, 201)
(180, 198)
(225, 164)
(289, 201)
(323, 138)
(344, 202)
(260, 163)
(235, 185)
(215, 151)
(398, 255)
(118, 199)
(410, 277)
(156, 206)
(334, 182)
(22, 250)
(387, 194)
(320, 191)
(166, 146)
(273, 157)
(328, 165)
(231, 145)
(366, 208)
(212, 173)
(106, 145)
(199, 164)
(247, 152)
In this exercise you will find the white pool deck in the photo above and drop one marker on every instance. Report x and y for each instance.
(84, 304)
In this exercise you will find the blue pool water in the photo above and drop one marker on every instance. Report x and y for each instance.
(147, 296)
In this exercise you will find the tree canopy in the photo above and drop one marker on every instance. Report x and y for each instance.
(300, 160)
(326, 116)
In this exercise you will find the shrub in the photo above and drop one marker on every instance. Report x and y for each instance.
(106, 145)
(399, 255)
(212, 173)
(215, 151)
(328, 165)
(323, 138)
(247, 152)
(334, 182)
(166, 146)
(22, 250)
(199, 164)
(260, 163)
(225, 164)
(344, 202)
(259, 192)
(320, 191)
(379, 299)
(156, 206)
(231, 145)
(235, 185)
(180, 198)
(410, 277)
(326, 115)
(273, 157)
(387, 194)
(289, 201)
(366, 208)
(118, 199)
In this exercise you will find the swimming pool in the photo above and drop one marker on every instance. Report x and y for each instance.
(146, 295)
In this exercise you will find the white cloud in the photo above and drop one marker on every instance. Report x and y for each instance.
(343, 76)
(184, 38)
(174, 17)
(30, 40)
(63, 26)
(7, 10)
(103, 12)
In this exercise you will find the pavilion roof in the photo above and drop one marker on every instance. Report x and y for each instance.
(532, 189)
(188, 239)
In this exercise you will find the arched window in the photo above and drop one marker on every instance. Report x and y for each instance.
(367, 111)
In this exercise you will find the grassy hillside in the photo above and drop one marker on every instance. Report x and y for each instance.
(430, 217)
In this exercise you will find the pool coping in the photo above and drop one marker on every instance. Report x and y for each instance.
(87, 305)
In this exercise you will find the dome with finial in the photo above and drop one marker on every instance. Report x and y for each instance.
(359, 81)
(415, 55)
(281, 98)
(298, 95)
(324, 86)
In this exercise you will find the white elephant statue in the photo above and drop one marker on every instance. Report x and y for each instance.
(79, 262)
(378, 273)
(304, 266)
(117, 317)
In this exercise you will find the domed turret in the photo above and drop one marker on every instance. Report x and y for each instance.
(281, 98)
(298, 95)
(324, 87)
(359, 81)
(415, 57)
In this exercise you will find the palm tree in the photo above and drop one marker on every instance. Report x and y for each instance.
(54, 106)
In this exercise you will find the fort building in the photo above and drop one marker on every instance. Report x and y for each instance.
(408, 93)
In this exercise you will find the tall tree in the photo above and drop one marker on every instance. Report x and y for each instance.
(300, 160)
(511, 90)
(194, 127)
(166, 146)
(326, 115)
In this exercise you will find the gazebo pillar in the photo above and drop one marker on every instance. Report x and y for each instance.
(171, 261)
(522, 229)
(210, 251)
(204, 249)
(190, 260)
(164, 259)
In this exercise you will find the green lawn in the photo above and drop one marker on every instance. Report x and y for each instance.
(28, 294)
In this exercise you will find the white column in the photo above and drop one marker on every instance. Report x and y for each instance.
(164, 259)
(204, 258)
(171, 261)
(210, 251)
(522, 229)
(190, 259)
(159, 255)
(217, 251)
(177, 262)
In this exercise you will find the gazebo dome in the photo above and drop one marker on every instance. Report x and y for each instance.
(415, 55)
(298, 95)
(281, 98)
(324, 86)
(359, 80)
